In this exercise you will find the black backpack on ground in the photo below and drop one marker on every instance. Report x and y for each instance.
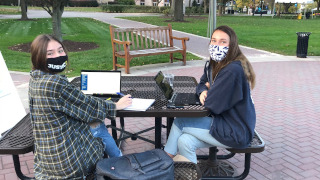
(150, 165)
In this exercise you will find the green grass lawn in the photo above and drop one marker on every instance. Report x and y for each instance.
(274, 35)
(4, 9)
(14, 32)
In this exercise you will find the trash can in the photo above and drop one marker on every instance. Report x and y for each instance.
(308, 15)
(302, 44)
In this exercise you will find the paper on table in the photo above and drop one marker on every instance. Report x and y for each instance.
(140, 104)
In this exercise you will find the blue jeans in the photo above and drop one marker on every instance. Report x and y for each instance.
(110, 146)
(189, 134)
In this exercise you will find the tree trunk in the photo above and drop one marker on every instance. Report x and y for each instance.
(172, 5)
(178, 10)
(204, 6)
(220, 10)
(57, 11)
(24, 15)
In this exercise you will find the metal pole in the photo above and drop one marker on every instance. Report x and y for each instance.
(212, 19)
(214, 15)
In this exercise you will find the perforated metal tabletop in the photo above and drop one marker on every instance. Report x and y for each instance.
(146, 87)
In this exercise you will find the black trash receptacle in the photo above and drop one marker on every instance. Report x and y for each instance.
(302, 44)
(308, 15)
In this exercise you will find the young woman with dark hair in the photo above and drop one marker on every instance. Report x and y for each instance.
(66, 122)
(225, 89)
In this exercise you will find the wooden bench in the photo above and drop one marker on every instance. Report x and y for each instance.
(128, 43)
(213, 166)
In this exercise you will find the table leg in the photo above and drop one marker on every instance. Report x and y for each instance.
(169, 124)
(158, 126)
(114, 131)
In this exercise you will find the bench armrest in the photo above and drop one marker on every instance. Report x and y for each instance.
(177, 38)
(121, 42)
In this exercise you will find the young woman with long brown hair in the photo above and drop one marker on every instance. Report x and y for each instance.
(225, 89)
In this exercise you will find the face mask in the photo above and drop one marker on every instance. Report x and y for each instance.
(57, 64)
(218, 53)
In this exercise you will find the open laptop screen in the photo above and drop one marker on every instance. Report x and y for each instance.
(97, 82)
(163, 85)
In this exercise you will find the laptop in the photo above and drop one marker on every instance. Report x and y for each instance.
(176, 100)
(101, 83)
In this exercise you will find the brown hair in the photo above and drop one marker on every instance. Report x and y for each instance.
(234, 53)
(39, 51)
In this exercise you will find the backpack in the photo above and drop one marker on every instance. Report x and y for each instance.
(154, 164)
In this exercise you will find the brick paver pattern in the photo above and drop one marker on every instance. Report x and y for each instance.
(288, 109)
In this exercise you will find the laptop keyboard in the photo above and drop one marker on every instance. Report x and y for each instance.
(184, 98)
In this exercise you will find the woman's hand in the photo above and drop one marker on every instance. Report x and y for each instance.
(203, 97)
(208, 85)
(124, 102)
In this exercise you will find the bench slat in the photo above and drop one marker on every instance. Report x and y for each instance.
(137, 39)
(150, 37)
(150, 51)
(159, 38)
(154, 39)
(142, 29)
(132, 40)
(141, 40)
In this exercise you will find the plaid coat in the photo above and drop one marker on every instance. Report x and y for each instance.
(60, 113)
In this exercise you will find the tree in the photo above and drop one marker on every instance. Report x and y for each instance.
(318, 4)
(55, 8)
(221, 8)
(24, 15)
(178, 10)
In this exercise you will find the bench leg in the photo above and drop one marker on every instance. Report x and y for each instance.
(184, 58)
(127, 65)
(17, 167)
(213, 168)
(171, 57)
(240, 177)
(115, 61)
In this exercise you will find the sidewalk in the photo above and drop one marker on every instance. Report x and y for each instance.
(287, 101)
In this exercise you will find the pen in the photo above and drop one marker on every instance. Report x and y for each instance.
(109, 98)
(120, 94)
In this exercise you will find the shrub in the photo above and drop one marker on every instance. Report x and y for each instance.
(126, 2)
(132, 8)
(114, 8)
(166, 11)
(83, 3)
(9, 3)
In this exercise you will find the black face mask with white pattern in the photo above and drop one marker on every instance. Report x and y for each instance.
(57, 64)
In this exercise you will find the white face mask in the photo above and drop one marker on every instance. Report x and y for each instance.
(218, 53)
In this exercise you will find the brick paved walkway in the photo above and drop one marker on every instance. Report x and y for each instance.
(288, 110)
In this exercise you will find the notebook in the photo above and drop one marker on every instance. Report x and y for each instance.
(176, 100)
(101, 83)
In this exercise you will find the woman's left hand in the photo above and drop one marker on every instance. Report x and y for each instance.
(203, 97)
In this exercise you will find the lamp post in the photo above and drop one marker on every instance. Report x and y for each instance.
(261, 3)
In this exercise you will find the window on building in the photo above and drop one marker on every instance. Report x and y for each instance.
(142, 2)
(166, 3)
(154, 3)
